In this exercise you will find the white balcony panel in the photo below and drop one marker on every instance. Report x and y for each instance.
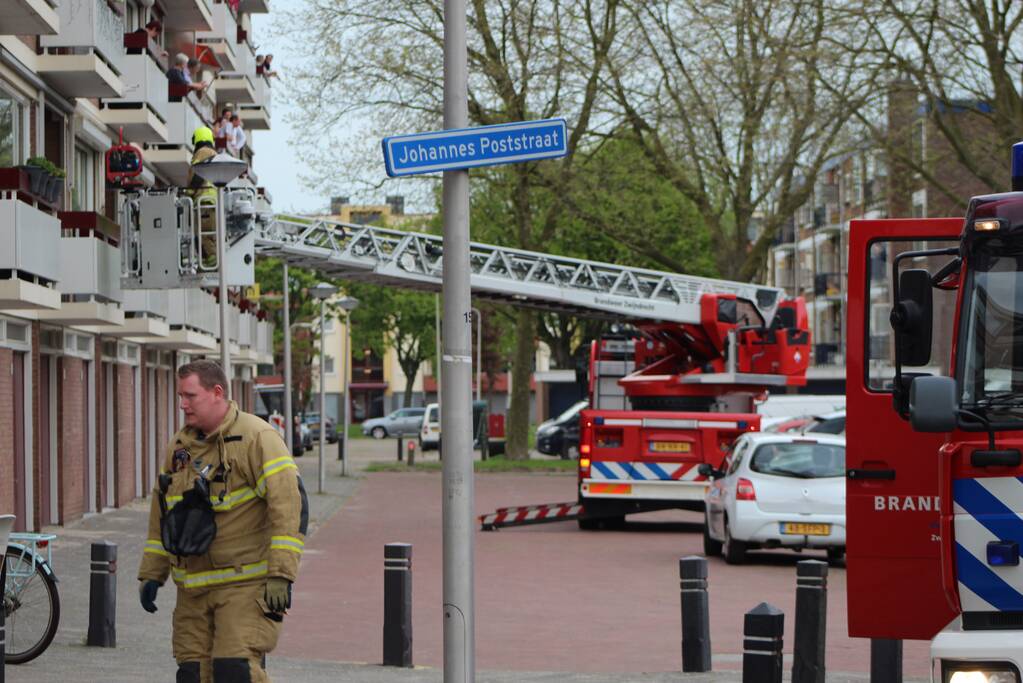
(172, 163)
(257, 115)
(90, 267)
(188, 15)
(19, 295)
(144, 108)
(84, 75)
(183, 339)
(182, 120)
(223, 37)
(233, 323)
(234, 88)
(245, 336)
(85, 313)
(147, 302)
(28, 18)
(30, 239)
(142, 329)
(90, 26)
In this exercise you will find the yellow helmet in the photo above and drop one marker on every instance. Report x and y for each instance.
(202, 134)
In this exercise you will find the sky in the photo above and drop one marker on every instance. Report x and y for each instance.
(276, 159)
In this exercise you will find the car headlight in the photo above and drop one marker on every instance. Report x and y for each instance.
(979, 672)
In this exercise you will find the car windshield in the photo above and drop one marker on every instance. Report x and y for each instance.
(572, 412)
(800, 459)
(993, 365)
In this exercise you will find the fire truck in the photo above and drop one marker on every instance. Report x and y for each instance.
(666, 405)
(934, 480)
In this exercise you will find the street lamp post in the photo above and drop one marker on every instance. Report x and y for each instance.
(221, 170)
(348, 305)
(479, 347)
(322, 291)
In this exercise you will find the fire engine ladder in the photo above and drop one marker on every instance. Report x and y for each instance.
(524, 278)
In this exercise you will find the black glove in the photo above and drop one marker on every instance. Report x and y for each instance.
(278, 594)
(147, 594)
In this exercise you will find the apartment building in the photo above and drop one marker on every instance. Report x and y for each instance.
(810, 256)
(88, 405)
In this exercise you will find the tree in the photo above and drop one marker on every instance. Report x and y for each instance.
(952, 63)
(724, 96)
(392, 318)
(527, 59)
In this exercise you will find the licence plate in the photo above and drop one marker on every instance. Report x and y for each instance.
(670, 446)
(802, 529)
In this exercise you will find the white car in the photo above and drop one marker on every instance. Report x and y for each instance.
(777, 491)
(429, 430)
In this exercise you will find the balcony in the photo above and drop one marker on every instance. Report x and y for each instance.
(234, 87)
(172, 162)
(254, 6)
(29, 260)
(145, 315)
(86, 58)
(265, 342)
(827, 284)
(192, 316)
(188, 15)
(90, 271)
(222, 38)
(144, 109)
(257, 115)
(28, 18)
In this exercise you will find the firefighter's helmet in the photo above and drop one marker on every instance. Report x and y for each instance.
(202, 134)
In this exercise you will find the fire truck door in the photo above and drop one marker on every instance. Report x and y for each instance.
(893, 543)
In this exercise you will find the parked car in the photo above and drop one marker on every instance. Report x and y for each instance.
(829, 423)
(429, 431)
(777, 491)
(402, 422)
(560, 435)
(312, 420)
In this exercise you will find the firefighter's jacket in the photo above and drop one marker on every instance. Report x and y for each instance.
(260, 506)
(198, 187)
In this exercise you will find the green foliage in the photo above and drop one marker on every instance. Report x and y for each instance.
(47, 165)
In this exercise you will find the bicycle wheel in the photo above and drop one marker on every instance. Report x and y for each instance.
(31, 606)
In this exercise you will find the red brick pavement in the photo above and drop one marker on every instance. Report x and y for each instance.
(550, 597)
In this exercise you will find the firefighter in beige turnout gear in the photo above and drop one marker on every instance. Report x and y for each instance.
(232, 598)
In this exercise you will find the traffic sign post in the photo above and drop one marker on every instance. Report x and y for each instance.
(450, 150)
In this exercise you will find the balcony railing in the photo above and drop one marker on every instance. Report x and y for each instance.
(90, 262)
(222, 39)
(89, 31)
(188, 15)
(29, 18)
(144, 109)
(147, 302)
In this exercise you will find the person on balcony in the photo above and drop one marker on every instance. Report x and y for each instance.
(236, 142)
(178, 74)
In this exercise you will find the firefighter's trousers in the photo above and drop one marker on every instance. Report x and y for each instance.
(221, 634)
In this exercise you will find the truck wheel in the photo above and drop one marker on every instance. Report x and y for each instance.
(734, 551)
(711, 548)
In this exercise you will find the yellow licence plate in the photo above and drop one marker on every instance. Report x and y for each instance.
(670, 446)
(801, 529)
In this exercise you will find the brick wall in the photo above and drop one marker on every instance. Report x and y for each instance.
(34, 448)
(163, 427)
(101, 426)
(124, 407)
(6, 431)
(73, 451)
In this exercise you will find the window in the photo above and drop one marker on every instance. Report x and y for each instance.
(328, 325)
(801, 459)
(11, 130)
(83, 195)
(328, 365)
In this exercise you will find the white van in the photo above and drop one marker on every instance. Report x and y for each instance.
(796, 405)
(429, 432)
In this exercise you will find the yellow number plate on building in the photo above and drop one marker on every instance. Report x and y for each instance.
(670, 446)
(801, 529)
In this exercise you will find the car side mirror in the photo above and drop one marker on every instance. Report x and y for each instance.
(932, 404)
(911, 317)
(707, 470)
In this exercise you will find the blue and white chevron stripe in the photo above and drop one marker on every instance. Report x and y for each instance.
(986, 510)
(643, 471)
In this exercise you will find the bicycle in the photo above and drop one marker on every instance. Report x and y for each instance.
(31, 603)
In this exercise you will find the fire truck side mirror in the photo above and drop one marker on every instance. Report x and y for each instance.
(911, 318)
(932, 404)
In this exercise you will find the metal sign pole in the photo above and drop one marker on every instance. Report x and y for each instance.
(289, 419)
(456, 378)
(225, 341)
(323, 413)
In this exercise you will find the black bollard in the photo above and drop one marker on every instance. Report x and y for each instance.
(103, 596)
(401, 450)
(763, 631)
(811, 621)
(885, 660)
(695, 614)
(398, 604)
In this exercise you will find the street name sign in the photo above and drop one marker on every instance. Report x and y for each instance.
(449, 150)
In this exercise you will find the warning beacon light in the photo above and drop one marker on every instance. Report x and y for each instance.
(122, 162)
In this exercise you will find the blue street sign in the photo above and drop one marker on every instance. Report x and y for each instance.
(447, 150)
